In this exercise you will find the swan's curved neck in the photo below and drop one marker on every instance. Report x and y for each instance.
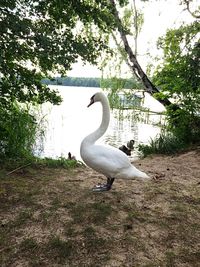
(93, 137)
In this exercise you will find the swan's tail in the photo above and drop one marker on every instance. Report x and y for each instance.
(143, 175)
(139, 175)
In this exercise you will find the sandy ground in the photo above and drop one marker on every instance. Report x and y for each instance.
(51, 217)
(183, 168)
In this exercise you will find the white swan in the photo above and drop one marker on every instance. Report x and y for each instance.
(110, 161)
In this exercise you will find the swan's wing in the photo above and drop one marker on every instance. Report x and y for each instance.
(108, 160)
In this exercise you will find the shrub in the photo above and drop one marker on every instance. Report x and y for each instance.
(165, 143)
(17, 132)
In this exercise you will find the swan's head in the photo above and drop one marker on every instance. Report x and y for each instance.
(95, 98)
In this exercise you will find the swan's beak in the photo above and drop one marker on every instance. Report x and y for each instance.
(91, 102)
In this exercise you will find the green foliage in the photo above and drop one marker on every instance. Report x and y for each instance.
(115, 85)
(185, 124)
(114, 82)
(61, 162)
(39, 38)
(165, 143)
(117, 64)
(18, 130)
(73, 81)
(180, 73)
(178, 77)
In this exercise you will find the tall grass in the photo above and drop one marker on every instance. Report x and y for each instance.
(60, 162)
(18, 132)
(21, 135)
(165, 143)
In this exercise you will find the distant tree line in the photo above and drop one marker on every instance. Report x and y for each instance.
(73, 81)
(91, 82)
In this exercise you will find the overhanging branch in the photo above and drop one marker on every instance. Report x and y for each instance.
(134, 65)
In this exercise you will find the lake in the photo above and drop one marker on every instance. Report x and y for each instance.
(67, 124)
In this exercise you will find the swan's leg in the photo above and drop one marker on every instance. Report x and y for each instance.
(110, 182)
(104, 187)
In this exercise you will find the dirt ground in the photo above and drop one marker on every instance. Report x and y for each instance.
(51, 217)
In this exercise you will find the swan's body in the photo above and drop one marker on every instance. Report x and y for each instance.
(110, 161)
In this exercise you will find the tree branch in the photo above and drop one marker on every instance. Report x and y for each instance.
(136, 26)
(135, 66)
(189, 10)
(125, 57)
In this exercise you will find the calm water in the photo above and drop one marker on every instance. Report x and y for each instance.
(69, 123)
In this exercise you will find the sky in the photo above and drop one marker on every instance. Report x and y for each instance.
(158, 17)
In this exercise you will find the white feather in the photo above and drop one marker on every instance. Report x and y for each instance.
(107, 160)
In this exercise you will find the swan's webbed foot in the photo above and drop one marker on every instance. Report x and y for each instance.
(101, 188)
(104, 187)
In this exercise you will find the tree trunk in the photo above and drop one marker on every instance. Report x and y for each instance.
(134, 65)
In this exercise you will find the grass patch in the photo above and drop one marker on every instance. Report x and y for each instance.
(96, 213)
(28, 245)
(47, 220)
(92, 241)
(170, 258)
(137, 216)
(70, 230)
(190, 257)
(23, 217)
(134, 215)
(28, 165)
(162, 144)
(60, 249)
(61, 162)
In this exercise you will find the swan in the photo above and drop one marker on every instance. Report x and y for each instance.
(126, 150)
(70, 157)
(107, 160)
(130, 144)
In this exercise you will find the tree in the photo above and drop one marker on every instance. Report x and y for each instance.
(194, 12)
(132, 60)
(130, 56)
(131, 22)
(179, 77)
(39, 38)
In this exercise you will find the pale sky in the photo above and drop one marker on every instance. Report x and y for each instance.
(158, 17)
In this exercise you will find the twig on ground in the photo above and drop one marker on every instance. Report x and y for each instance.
(21, 167)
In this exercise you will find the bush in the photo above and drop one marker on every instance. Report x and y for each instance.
(17, 132)
(165, 143)
(184, 124)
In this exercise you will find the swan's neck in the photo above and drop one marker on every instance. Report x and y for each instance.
(93, 137)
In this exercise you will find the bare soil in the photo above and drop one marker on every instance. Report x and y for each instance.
(51, 217)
